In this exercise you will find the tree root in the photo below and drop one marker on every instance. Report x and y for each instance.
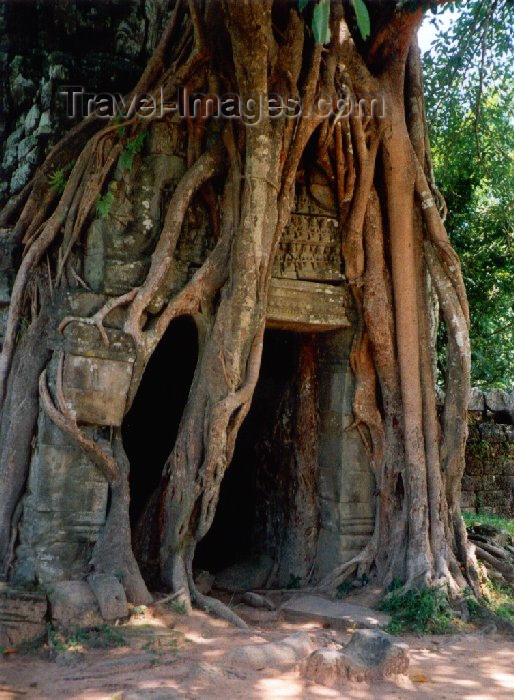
(98, 318)
(65, 420)
(502, 567)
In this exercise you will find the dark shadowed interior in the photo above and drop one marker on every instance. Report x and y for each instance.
(150, 427)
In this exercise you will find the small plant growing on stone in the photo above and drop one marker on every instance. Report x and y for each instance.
(57, 180)
(103, 204)
(132, 148)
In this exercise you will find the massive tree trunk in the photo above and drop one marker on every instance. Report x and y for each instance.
(392, 237)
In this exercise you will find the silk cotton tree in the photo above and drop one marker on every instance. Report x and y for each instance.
(396, 255)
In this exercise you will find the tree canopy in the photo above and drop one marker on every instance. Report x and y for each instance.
(469, 89)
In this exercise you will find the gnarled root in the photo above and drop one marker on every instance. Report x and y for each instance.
(98, 318)
(113, 552)
(65, 420)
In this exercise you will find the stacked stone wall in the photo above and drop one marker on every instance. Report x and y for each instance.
(488, 482)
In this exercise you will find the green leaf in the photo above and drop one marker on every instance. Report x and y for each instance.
(362, 14)
(302, 4)
(104, 204)
(320, 22)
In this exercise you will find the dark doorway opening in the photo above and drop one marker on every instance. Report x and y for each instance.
(252, 511)
(150, 427)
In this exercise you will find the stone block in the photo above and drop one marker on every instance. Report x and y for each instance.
(73, 603)
(59, 560)
(110, 596)
(500, 401)
(22, 615)
(120, 276)
(492, 432)
(336, 613)
(307, 306)
(476, 400)
(61, 480)
(370, 655)
(84, 339)
(467, 500)
(96, 389)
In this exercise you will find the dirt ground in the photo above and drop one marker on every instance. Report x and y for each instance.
(169, 656)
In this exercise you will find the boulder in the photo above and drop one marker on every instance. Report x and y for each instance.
(500, 401)
(280, 655)
(73, 603)
(374, 655)
(370, 655)
(110, 596)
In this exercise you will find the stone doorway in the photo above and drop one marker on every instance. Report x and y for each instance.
(264, 526)
(150, 427)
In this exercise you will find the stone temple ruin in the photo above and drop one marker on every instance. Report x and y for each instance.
(274, 524)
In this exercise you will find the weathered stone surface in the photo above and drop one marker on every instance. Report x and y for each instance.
(85, 340)
(73, 603)
(336, 613)
(96, 389)
(500, 401)
(307, 306)
(22, 615)
(63, 509)
(374, 655)
(110, 596)
(476, 400)
(325, 667)
(370, 655)
(245, 575)
(310, 249)
(286, 653)
(204, 582)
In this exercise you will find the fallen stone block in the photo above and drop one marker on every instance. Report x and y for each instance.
(110, 596)
(336, 613)
(284, 654)
(73, 603)
(369, 656)
(22, 616)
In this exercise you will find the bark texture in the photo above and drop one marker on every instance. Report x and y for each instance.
(392, 238)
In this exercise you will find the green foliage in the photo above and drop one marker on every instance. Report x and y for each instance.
(57, 180)
(321, 22)
(302, 4)
(103, 204)
(96, 637)
(425, 611)
(132, 148)
(498, 600)
(505, 524)
(362, 15)
(469, 87)
(343, 589)
(177, 606)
